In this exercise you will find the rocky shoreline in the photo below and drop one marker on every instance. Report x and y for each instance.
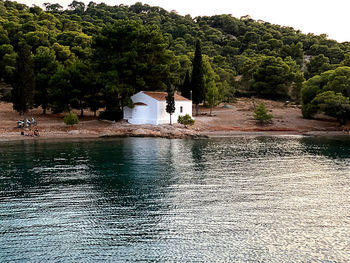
(110, 130)
(224, 122)
(175, 131)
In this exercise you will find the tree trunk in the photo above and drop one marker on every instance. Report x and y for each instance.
(44, 110)
(170, 119)
(81, 109)
(25, 119)
(196, 109)
(95, 113)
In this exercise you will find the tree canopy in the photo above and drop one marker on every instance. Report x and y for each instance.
(131, 57)
(23, 84)
(95, 55)
(329, 93)
(197, 82)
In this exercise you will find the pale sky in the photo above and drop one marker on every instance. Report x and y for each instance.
(310, 16)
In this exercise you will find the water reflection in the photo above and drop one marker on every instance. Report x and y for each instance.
(133, 176)
(337, 147)
(241, 199)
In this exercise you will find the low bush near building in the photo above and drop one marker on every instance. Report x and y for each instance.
(185, 120)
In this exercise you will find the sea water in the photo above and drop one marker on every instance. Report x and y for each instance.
(239, 199)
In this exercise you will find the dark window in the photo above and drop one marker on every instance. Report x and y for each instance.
(181, 109)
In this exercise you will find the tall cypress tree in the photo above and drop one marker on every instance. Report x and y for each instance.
(197, 77)
(170, 101)
(24, 82)
(186, 87)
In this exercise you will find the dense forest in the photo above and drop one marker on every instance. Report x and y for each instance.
(96, 56)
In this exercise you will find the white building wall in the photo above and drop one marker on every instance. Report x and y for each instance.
(155, 111)
(127, 113)
(142, 114)
(186, 108)
(163, 116)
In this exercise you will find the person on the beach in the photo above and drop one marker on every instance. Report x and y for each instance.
(30, 133)
(36, 132)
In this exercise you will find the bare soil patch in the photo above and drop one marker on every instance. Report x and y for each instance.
(235, 118)
(287, 118)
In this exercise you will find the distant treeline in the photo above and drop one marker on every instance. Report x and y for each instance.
(95, 56)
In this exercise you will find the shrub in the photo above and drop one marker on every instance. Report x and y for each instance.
(309, 110)
(185, 120)
(261, 115)
(71, 119)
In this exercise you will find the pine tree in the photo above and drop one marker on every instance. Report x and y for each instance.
(186, 87)
(24, 82)
(212, 95)
(45, 67)
(261, 115)
(170, 101)
(197, 77)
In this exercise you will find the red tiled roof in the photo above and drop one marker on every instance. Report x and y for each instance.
(160, 95)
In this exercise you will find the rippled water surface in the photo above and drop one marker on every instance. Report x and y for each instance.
(241, 199)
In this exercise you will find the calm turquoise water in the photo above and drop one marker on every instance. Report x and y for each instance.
(241, 199)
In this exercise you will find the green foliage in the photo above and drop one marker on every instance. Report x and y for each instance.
(186, 87)
(7, 62)
(334, 105)
(309, 110)
(328, 93)
(339, 81)
(310, 89)
(346, 61)
(317, 65)
(61, 93)
(82, 81)
(170, 101)
(272, 78)
(71, 119)
(24, 81)
(261, 114)
(110, 52)
(63, 53)
(197, 82)
(132, 57)
(297, 79)
(185, 120)
(55, 8)
(212, 95)
(45, 67)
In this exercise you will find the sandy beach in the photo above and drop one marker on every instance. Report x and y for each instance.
(226, 120)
